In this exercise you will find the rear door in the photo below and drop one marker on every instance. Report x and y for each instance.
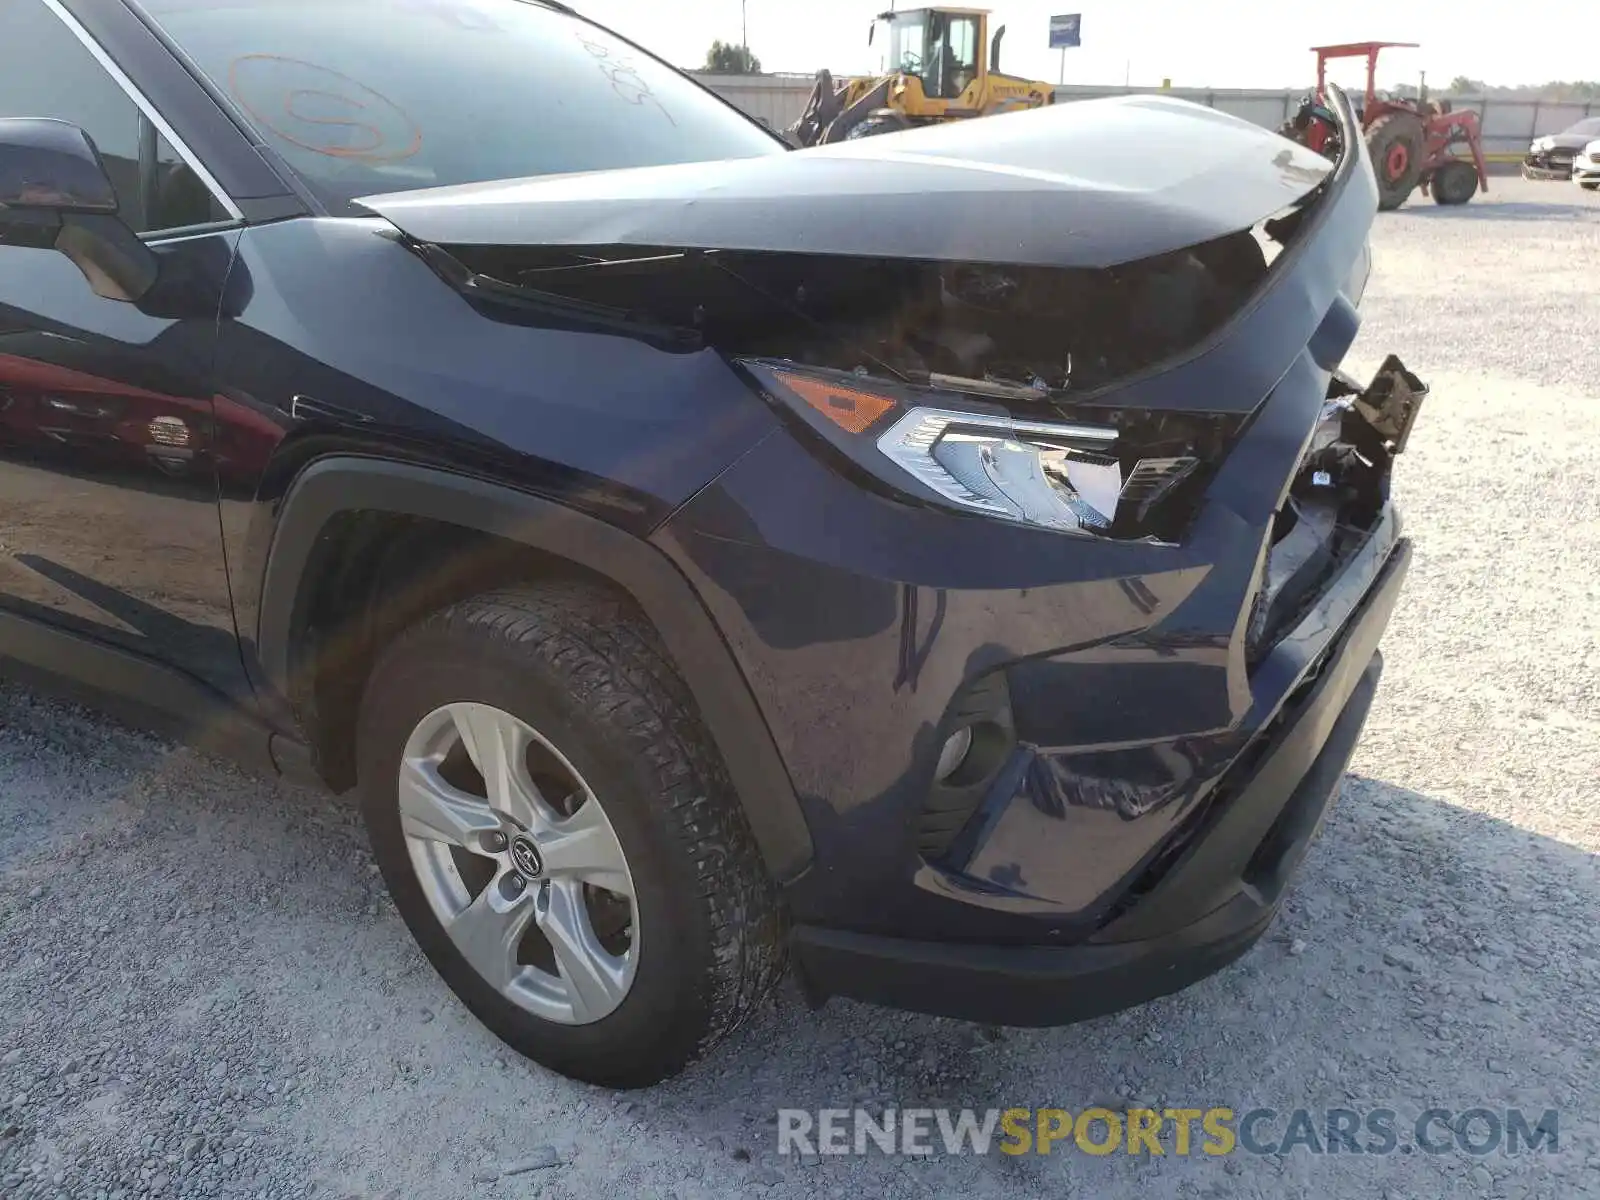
(108, 495)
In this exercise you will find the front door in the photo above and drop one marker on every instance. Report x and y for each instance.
(108, 495)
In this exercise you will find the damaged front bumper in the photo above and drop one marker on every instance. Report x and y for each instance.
(1151, 727)
(1141, 784)
(1208, 908)
(1223, 819)
(1548, 164)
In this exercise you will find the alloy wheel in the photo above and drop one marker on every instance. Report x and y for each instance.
(519, 862)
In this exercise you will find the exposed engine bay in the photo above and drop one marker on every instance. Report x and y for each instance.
(1035, 340)
(1038, 342)
(1039, 330)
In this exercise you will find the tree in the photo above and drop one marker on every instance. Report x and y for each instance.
(1581, 90)
(725, 58)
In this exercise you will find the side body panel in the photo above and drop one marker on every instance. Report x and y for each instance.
(111, 572)
(107, 457)
(342, 340)
(353, 379)
(112, 579)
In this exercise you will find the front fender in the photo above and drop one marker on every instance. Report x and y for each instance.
(343, 484)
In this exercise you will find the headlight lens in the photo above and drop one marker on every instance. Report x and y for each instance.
(1069, 477)
(1039, 473)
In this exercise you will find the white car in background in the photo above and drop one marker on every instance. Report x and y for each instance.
(1586, 166)
(1553, 155)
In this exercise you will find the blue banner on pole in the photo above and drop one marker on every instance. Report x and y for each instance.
(1064, 30)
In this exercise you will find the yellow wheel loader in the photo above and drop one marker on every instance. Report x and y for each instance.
(938, 72)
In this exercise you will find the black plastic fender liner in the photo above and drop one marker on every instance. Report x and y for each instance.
(345, 483)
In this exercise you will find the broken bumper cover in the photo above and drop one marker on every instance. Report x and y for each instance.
(1234, 871)
(1555, 164)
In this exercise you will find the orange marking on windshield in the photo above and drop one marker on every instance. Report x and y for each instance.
(366, 101)
(342, 151)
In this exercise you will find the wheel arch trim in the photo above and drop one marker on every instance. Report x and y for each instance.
(346, 483)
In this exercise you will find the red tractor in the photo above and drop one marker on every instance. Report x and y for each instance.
(1412, 142)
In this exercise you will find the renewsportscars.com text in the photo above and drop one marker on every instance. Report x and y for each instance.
(1213, 1131)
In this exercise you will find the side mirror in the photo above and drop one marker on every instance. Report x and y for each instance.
(55, 194)
(52, 166)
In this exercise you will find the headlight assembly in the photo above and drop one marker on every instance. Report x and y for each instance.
(1082, 478)
(1056, 476)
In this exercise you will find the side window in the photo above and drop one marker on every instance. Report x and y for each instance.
(964, 48)
(964, 42)
(175, 194)
(45, 71)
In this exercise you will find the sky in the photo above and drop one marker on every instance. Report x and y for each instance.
(1246, 43)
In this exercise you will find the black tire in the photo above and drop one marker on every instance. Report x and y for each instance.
(583, 667)
(877, 123)
(1454, 182)
(1395, 142)
(1589, 185)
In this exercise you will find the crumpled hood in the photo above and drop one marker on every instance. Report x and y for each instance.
(1564, 141)
(1091, 183)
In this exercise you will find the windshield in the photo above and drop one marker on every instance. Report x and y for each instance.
(940, 49)
(368, 96)
(907, 35)
(1589, 128)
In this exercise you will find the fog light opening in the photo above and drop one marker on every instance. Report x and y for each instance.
(953, 753)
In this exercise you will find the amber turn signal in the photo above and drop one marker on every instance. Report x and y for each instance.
(850, 409)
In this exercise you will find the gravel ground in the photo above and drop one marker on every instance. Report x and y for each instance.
(204, 992)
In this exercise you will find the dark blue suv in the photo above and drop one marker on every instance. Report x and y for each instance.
(950, 564)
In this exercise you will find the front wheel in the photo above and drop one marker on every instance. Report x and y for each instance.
(1589, 185)
(557, 832)
(1454, 182)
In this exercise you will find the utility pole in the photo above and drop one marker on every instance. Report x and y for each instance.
(744, 31)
